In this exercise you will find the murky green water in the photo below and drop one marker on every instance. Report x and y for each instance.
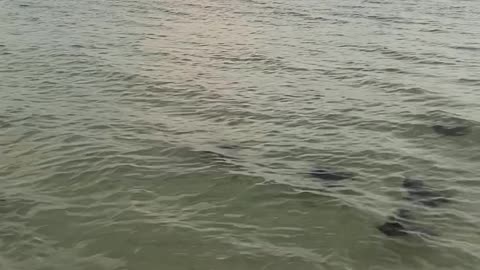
(178, 134)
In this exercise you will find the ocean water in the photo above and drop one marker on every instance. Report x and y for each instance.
(176, 134)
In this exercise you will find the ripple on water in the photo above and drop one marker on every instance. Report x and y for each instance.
(143, 133)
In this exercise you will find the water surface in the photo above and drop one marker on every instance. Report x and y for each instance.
(179, 134)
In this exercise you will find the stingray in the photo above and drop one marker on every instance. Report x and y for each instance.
(394, 226)
(403, 224)
(451, 131)
(418, 192)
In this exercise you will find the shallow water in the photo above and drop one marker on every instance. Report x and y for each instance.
(180, 134)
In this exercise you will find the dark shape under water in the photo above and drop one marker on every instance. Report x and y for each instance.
(451, 131)
(330, 175)
(419, 193)
(397, 225)
(403, 224)
(393, 228)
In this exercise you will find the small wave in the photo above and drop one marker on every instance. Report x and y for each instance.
(466, 48)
